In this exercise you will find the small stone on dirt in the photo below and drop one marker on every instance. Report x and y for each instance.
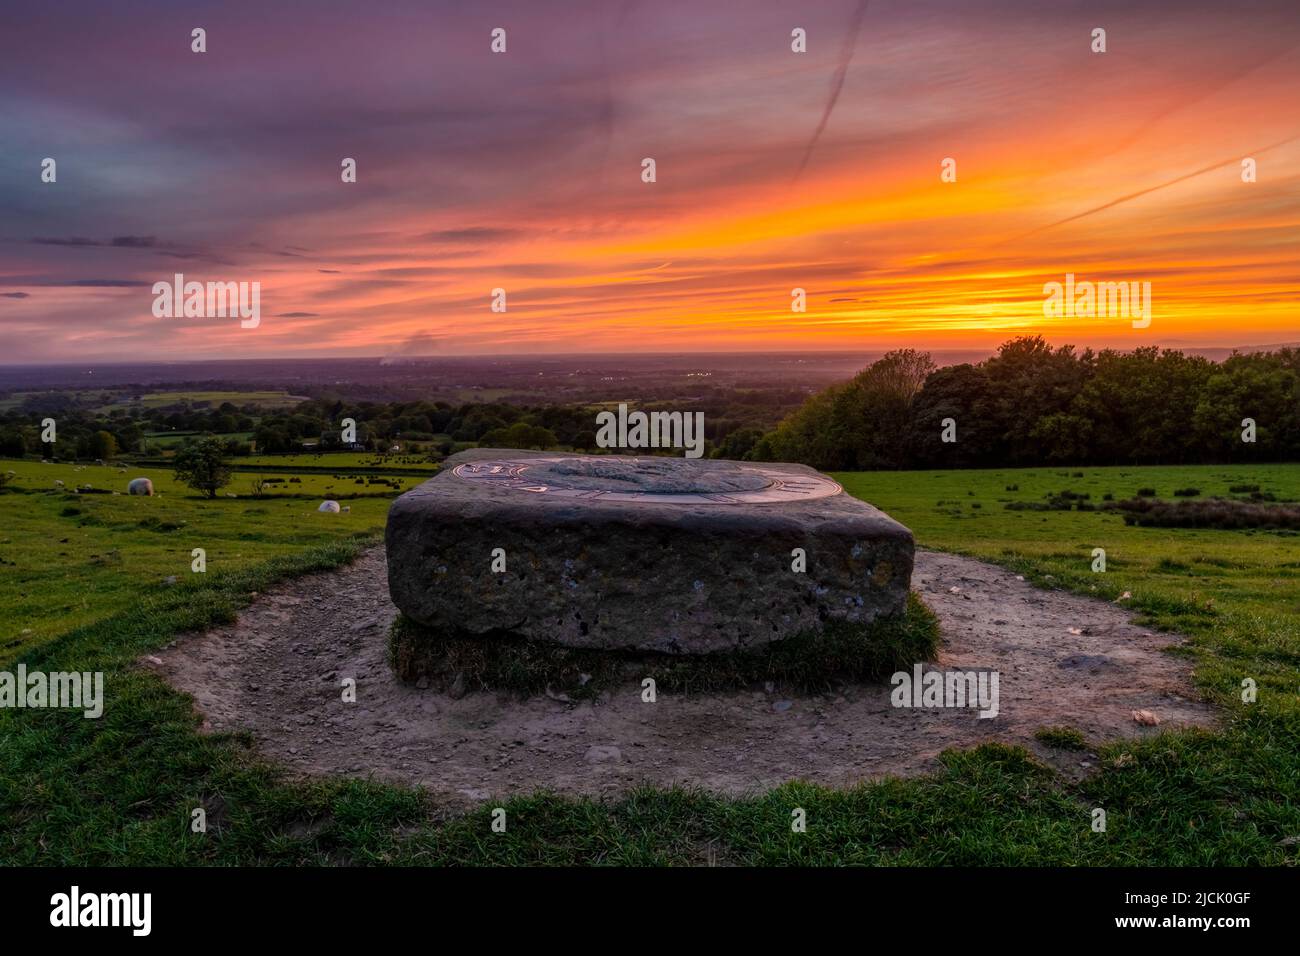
(604, 754)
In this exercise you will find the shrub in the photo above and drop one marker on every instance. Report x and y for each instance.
(1218, 513)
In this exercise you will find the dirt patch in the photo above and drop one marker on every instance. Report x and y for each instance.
(278, 671)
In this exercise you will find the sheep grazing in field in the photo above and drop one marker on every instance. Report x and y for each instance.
(57, 483)
(329, 507)
(347, 508)
(139, 486)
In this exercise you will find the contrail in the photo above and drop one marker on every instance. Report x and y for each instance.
(607, 108)
(1150, 189)
(837, 83)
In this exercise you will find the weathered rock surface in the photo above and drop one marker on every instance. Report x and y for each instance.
(661, 554)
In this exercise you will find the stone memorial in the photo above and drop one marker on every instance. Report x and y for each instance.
(640, 553)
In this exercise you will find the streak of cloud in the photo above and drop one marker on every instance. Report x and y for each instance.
(837, 83)
(1150, 189)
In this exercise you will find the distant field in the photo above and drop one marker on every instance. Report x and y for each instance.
(462, 396)
(107, 399)
(173, 439)
(16, 399)
(342, 460)
(265, 400)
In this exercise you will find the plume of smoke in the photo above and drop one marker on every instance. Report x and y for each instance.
(413, 349)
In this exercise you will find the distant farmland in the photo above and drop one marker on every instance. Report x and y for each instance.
(262, 400)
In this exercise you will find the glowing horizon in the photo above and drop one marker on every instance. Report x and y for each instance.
(522, 171)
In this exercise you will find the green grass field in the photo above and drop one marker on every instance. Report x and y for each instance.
(169, 440)
(1188, 577)
(83, 591)
(35, 477)
(119, 398)
(70, 560)
(265, 400)
(17, 399)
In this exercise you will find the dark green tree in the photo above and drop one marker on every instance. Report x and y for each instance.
(202, 465)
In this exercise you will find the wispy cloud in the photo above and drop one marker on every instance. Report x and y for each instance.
(521, 171)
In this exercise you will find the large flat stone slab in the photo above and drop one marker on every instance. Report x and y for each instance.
(645, 553)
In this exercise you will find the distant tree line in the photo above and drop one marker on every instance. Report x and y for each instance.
(1029, 404)
(1032, 404)
(733, 425)
(84, 433)
(443, 428)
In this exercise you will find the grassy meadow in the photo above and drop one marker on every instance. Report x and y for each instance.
(1236, 594)
(115, 397)
(68, 560)
(82, 586)
(262, 400)
(1237, 587)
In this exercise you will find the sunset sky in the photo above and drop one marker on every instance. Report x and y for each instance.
(522, 170)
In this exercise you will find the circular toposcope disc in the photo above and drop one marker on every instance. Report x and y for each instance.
(654, 479)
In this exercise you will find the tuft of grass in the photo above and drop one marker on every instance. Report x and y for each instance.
(810, 661)
(1062, 738)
